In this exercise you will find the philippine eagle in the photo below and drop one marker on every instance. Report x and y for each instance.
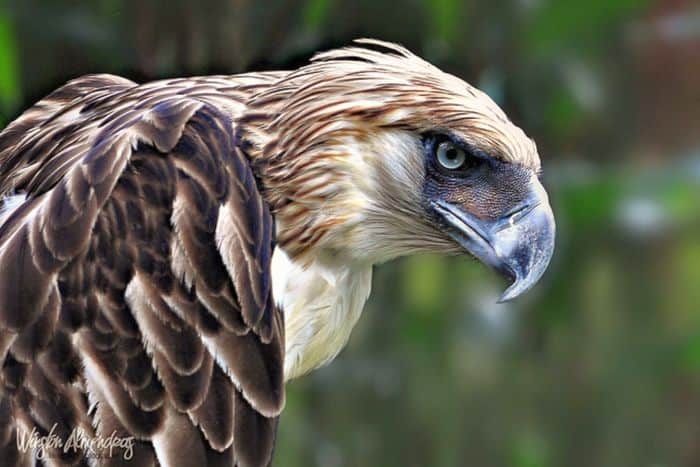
(172, 252)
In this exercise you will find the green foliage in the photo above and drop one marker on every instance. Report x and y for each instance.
(424, 277)
(446, 16)
(529, 450)
(315, 12)
(557, 24)
(10, 92)
(594, 203)
(562, 112)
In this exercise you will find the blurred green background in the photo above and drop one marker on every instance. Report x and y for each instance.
(600, 364)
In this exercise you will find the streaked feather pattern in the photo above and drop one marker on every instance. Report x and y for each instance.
(304, 126)
(136, 275)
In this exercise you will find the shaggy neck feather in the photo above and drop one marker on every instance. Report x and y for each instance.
(322, 303)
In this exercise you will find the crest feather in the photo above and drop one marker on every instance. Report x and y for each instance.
(365, 53)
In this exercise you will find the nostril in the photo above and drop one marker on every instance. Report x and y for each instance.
(516, 214)
(522, 210)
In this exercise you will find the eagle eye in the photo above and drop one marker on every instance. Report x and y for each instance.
(450, 156)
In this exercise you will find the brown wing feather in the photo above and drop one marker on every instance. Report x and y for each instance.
(136, 276)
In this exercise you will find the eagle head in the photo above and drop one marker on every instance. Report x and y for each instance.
(369, 155)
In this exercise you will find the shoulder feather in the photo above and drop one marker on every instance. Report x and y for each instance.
(137, 272)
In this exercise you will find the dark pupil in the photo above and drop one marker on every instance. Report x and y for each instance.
(452, 154)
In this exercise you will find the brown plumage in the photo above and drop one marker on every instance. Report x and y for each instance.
(124, 187)
(136, 283)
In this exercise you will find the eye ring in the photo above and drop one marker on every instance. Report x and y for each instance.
(450, 156)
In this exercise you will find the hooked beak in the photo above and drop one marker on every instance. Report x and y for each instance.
(519, 244)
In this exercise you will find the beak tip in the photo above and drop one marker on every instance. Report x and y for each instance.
(504, 299)
(514, 291)
(527, 273)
